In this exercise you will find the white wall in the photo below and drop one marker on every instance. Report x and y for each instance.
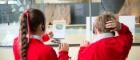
(134, 53)
(7, 53)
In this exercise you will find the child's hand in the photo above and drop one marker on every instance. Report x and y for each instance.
(50, 34)
(64, 47)
(113, 24)
(84, 44)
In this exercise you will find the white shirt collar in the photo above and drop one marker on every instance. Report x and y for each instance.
(101, 36)
(37, 37)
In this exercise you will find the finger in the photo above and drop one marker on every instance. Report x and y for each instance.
(112, 30)
(86, 42)
(109, 22)
(65, 45)
(108, 25)
(59, 46)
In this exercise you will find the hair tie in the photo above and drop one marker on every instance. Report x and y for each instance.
(26, 13)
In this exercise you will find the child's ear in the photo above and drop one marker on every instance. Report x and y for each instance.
(94, 30)
(43, 27)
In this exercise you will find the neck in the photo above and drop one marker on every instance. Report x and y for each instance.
(98, 33)
(100, 36)
(38, 34)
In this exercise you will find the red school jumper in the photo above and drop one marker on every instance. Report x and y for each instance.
(111, 48)
(38, 51)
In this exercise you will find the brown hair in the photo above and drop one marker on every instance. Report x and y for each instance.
(101, 20)
(32, 18)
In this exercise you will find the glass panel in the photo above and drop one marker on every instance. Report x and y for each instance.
(10, 11)
(74, 11)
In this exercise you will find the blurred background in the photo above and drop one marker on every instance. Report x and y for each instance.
(74, 12)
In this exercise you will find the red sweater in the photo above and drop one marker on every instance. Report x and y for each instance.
(38, 51)
(111, 48)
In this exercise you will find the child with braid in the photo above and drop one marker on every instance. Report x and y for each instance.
(29, 44)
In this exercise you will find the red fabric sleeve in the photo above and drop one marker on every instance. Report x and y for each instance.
(16, 49)
(124, 40)
(81, 53)
(63, 55)
(52, 55)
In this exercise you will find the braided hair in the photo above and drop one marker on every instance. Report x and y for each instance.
(29, 22)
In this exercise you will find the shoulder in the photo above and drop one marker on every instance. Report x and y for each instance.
(103, 42)
(16, 41)
(40, 48)
(48, 48)
(40, 45)
(45, 49)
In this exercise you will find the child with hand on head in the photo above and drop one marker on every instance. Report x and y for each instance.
(105, 45)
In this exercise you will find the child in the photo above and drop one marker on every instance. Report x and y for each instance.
(107, 46)
(29, 44)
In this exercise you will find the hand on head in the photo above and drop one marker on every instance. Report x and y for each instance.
(113, 24)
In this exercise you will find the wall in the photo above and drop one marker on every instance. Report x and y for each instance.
(6, 53)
